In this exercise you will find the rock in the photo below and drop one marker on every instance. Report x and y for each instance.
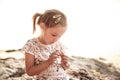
(92, 69)
(12, 50)
(80, 69)
(11, 67)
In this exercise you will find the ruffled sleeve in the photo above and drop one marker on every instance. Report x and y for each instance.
(29, 47)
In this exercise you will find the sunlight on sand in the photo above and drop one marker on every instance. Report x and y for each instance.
(16, 54)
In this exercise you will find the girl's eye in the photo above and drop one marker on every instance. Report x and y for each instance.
(54, 35)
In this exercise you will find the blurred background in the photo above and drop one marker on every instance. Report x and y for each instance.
(93, 25)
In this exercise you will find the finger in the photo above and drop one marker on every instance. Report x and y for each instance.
(65, 58)
(62, 54)
(57, 53)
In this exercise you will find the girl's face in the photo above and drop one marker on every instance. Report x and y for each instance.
(53, 34)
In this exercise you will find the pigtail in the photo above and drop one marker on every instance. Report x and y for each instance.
(35, 16)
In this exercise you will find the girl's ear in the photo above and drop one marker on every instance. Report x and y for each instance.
(42, 25)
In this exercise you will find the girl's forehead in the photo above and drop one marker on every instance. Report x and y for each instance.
(57, 28)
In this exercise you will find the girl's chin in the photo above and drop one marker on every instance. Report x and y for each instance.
(52, 42)
(49, 43)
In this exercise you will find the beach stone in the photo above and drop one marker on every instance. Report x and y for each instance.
(81, 68)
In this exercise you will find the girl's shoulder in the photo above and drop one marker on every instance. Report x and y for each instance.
(30, 46)
(31, 41)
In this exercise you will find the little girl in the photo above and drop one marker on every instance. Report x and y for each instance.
(44, 55)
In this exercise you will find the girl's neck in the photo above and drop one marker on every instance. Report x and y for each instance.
(42, 40)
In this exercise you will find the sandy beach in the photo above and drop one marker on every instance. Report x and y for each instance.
(18, 54)
(97, 68)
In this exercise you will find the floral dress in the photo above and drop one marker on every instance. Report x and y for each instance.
(41, 53)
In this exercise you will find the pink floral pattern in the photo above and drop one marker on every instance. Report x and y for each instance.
(41, 53)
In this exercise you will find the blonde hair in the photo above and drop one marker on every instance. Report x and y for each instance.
(50, 18)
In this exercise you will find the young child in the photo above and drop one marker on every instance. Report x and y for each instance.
(43, 53)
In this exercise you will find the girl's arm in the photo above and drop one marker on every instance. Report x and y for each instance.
(33, 69)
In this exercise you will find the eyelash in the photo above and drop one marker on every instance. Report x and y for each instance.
(54, 35)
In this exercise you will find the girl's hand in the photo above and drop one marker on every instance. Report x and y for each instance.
(53, 57)
(64, 61)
